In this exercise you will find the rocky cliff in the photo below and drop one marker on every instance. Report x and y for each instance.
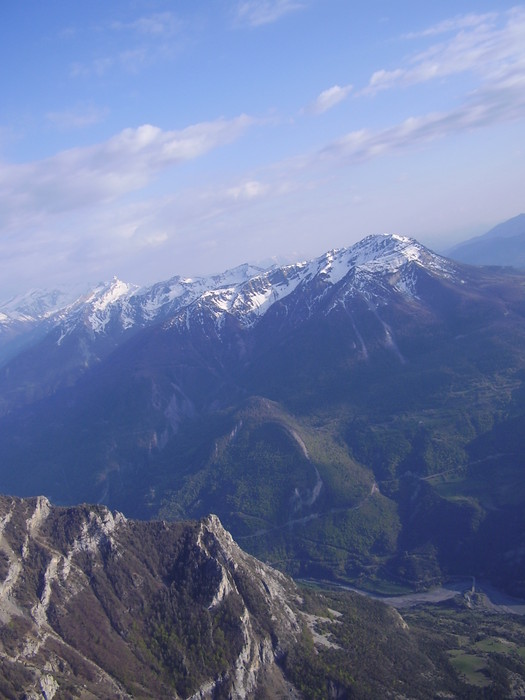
(94, 605)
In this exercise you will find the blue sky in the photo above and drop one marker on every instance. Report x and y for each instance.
(147, 138)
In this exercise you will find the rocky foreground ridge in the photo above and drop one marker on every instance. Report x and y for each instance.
(93, 605)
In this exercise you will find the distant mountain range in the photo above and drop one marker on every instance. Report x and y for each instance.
(356, 417)
(61, 341)
(502, 245)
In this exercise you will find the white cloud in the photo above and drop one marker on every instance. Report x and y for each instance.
(494, 105)
(85, 176)
(251, 189)
(258, 12)
(483, 44)
(329, 98)
(384, 79)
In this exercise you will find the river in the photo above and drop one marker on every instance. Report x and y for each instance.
(493, 598)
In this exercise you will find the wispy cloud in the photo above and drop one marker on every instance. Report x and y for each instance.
(85, 176)
(492, 106)
(257, 12)
(97, 67)
(328, 98)
(453, 25)
(160, 24)
(141, 42)
(481, 46)
(248, 190)
(129, 60)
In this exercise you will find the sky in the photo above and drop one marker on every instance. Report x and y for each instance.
(152, 138)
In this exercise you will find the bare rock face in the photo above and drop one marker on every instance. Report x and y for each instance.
(93, 605)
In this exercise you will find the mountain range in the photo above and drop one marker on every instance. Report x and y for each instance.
(358, 417)
(79, 334)
(502, 245)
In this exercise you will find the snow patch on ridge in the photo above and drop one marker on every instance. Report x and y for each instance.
(247, 293)
(377, 264)
(334, 266)
(104, 300)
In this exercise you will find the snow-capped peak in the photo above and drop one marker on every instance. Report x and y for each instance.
(384, 256)
(37, 304)
(106, 294)
(246, 291)
(390, 255)
(385, 252)
(103, 300)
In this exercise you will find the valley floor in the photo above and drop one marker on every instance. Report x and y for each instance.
(488, 597)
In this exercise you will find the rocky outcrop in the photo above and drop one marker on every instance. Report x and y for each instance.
(94, 605)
